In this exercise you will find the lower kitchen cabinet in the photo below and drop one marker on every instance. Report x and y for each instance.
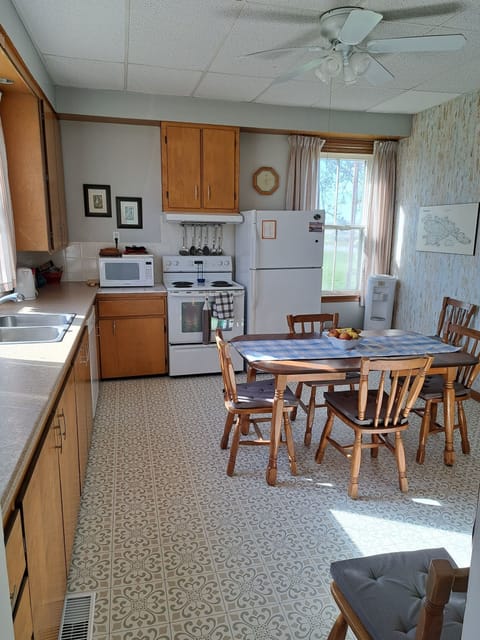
(132, 334)
(40, 517)
(83, 395)
(44, 537)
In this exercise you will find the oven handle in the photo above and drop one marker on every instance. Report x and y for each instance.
(201, 296)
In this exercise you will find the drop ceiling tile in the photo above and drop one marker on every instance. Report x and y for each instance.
(85, 29)
(226, 87)
(359, 98)
(86, 74)
(460, 81)
(412, 102)
(184, 34)
(157, 80)
(299, 94)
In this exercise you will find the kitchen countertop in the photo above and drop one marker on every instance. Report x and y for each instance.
(31, 376)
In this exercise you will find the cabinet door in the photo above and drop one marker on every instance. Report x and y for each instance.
(24, 143)
(132, 347)
(22, 621)
(219, 158)
(181, 171)
(43, 524)
(66, 417)
(55, 179)
(83, 397)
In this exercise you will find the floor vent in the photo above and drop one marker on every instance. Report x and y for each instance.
(77, 617)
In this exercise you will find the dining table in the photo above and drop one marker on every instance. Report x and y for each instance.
(313, 356)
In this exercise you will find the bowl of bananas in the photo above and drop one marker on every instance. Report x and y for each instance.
(345, 338)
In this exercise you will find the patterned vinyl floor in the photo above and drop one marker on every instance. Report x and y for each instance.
(177, 550)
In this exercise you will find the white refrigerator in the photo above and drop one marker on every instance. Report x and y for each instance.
(278, 259)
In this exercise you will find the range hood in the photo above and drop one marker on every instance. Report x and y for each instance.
(189, 218)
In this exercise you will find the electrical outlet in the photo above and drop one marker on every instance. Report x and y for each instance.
(116, 236)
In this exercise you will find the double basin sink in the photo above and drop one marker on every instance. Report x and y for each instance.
(34, 327)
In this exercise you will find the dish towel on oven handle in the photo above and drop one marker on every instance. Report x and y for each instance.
(222, 306)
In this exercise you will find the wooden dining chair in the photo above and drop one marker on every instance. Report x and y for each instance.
(315, 323)
(454, 312)
(417, 594)
(432, 391)
(248, 405)
(376, 413)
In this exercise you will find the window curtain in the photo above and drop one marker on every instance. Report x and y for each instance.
(303, 168)
(8, 256)
(380, 203)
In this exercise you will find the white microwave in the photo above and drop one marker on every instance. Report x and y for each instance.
(126, 271)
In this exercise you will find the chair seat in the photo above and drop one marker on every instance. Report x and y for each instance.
(261, 394)
(433, 388)
(386, 592)
(346, 402)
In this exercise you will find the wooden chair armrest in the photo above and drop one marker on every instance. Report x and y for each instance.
(460, 582)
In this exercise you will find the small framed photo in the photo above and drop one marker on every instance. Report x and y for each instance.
(97, 200)
(129, 213)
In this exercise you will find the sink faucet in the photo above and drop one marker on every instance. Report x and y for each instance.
(15, 297)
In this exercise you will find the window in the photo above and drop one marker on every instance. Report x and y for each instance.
(341, 192)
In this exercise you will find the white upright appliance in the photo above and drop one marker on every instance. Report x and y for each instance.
(278, 259)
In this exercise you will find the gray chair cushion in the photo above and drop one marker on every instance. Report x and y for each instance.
(261, 394)
(346, 402)
(433, 388)
(386, 592)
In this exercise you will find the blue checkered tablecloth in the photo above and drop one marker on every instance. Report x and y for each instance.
(409, 344)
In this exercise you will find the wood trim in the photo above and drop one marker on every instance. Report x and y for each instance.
(476, 395)
(341, 298)
(108, 119)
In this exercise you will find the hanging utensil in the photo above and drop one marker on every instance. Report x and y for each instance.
(220, 240)
(184, 251)
(214, 250)
(192, 247)
(206, 248)
(206, 320)
(198, 250)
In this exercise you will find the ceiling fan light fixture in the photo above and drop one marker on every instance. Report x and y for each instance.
(359, 62)
(349, 75)
(321, 75)
(333, 64)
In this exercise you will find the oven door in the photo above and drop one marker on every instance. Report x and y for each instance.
(185, 315)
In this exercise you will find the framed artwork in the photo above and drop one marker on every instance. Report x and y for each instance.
(97, 201)
(448, 228)
(129, 213)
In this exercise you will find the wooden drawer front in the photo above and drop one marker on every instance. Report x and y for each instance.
(15, 558)
(132, 307)
(22, 622)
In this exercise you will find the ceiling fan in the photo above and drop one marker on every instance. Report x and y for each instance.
(346, 50)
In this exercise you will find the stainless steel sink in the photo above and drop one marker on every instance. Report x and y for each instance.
(9, 335)
(34, 327)
(36, 320)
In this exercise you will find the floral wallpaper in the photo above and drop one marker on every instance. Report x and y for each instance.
(438, 164)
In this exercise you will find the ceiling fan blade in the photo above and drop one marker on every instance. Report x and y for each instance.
(376, 73)
(422, 11)
(417, 44)
(298, 71)
(282, 50)
(358, 25)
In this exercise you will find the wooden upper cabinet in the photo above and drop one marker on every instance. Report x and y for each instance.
(200, 167)
(35, 171)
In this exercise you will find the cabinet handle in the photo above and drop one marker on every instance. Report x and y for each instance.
(58, 446)
(114, 327)
(196, 192)
(61, 415)
(209, 192)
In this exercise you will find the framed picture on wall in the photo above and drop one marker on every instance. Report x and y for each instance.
(97, 201)
(129, 213)
(448, 228)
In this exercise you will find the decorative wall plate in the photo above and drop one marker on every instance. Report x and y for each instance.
(266, 181)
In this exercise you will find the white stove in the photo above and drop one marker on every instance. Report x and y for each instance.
(198, 273)
(202, 296)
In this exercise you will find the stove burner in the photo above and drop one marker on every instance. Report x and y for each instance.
(221, 283)
(180, 284)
